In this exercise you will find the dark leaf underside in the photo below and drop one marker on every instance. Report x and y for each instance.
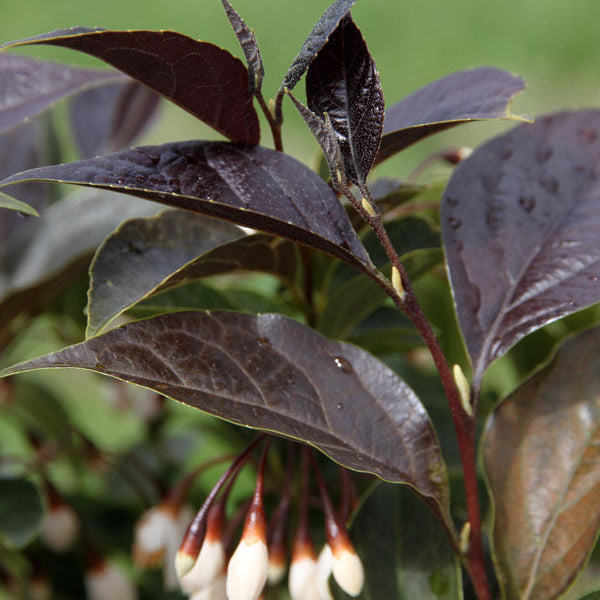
(256, 187)
(473, 95)
(520, 222)
(201, 78)
(542, 458)
(273, 373)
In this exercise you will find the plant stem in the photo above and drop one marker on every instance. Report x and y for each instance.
(464, 424)
(273, 123)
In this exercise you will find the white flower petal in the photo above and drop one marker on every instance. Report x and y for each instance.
(213, 591)
(207, 568)
(323, 573)
(60, 528)
(247, 571)
(348, 571)
(108, 583)
(302, 579)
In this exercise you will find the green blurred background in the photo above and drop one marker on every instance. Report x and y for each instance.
(553, 44)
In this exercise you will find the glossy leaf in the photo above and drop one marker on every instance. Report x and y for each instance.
(274, 373)
(142, 255)
(520, 222)
(247, 40)
(542, 458)
(342, 82)
(57, 247)
(109, 117)
(315, 41)
(404, 549)
(201, 78)
(256, 187)
(30, 86)
(14, 204)
(21, 511)
(473, 95)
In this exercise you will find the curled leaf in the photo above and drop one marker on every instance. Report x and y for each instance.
(343, 83)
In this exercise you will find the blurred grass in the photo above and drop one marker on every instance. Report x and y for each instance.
(554, 45)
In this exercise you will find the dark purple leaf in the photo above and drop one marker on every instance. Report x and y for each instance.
(249, 45)
(343, 82)
(473, 95)
(29, 86)
(315, 41)
(109, 117)
(273, 373)
(520, 222)
(201, 78)
(256, 187)
(143, 256)
(542, 457)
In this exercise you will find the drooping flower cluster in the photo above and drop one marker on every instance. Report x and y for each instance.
(206, 570)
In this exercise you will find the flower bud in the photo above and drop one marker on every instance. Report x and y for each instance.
(60, 527)
(248, 569)
(249, 565)
(346, 566)
(151, 534)
(323, 573)
(157, 537)
(210, 563)
(104, 581)
(302, 581)
(277, 568)
(213, 591)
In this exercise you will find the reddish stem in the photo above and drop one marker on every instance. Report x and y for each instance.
(464, 424)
